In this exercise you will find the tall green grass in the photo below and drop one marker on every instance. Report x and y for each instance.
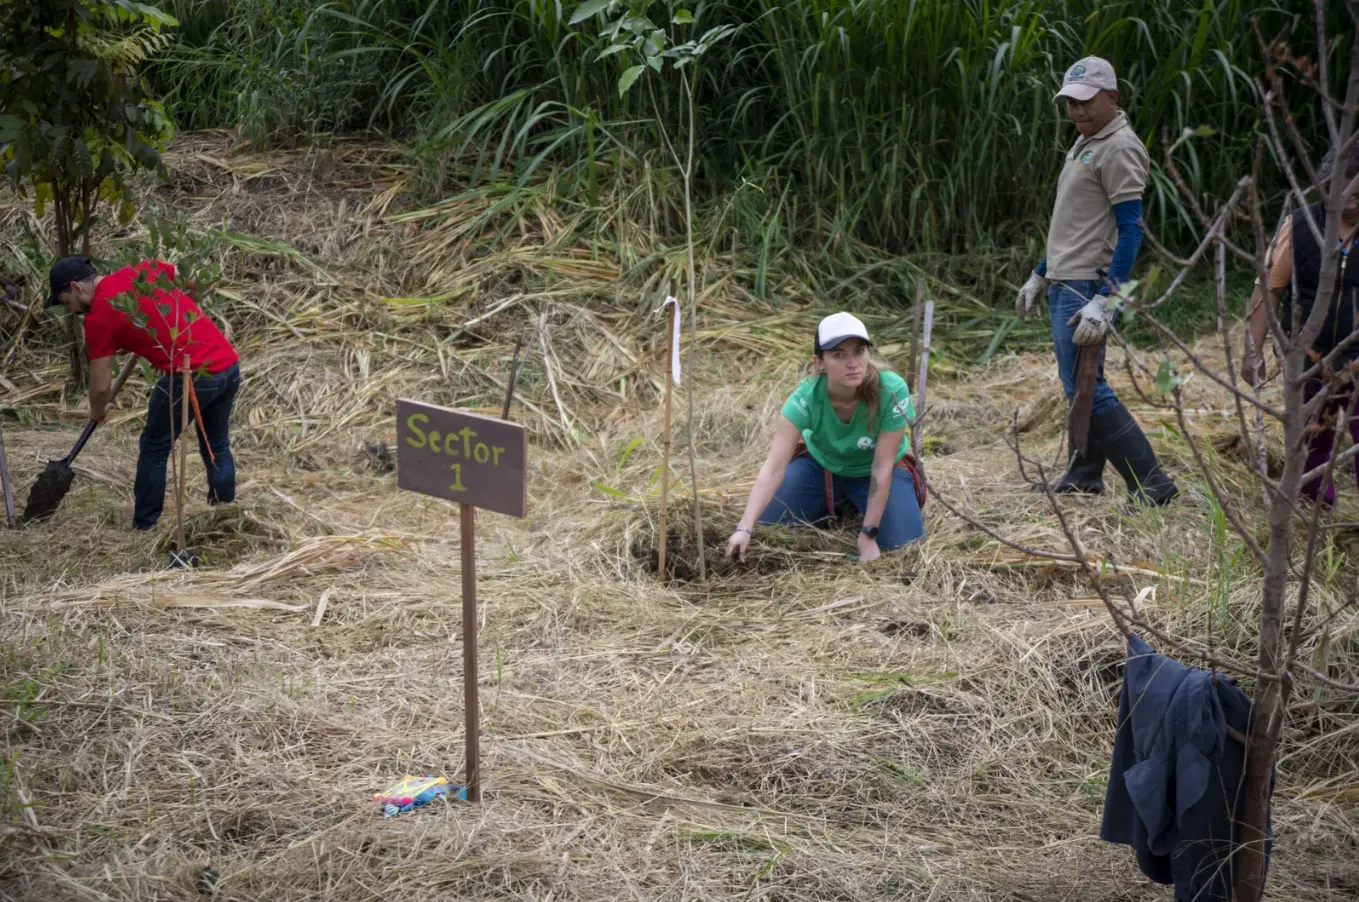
(908, 125)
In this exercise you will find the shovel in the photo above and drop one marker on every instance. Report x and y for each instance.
(55, 481)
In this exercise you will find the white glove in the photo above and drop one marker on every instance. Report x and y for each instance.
(1029, 293)
(1091, 322)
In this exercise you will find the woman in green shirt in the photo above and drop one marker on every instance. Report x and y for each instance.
(842, 435)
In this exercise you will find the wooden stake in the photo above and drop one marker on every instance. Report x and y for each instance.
(665, 436)
(10, 519)
(514, 377)
(183, 446)
(471, 703)
(922, 378)
(911, 380)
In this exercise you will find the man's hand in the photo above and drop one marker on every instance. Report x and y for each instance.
(1029, 293)
(868, 548)
(99, 413)
(1091, 322)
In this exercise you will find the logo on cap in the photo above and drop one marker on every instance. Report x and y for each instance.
(1075, 73)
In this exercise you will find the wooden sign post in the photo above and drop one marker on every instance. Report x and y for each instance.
(477, 461)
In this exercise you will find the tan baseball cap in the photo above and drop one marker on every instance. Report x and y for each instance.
(1087, 78)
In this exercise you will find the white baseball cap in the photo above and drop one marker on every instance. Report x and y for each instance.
(1086, 78)
(838, 328)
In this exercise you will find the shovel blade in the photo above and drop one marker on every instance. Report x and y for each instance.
(48, 491)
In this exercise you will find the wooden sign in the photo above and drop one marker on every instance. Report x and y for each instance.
(462, 457)
(476, 461)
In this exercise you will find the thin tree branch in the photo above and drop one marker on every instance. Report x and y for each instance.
(1323, 85)
(1199, 365)
(1323, 679)
(1221, 497)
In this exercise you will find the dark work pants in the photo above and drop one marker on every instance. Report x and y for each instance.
(216, 394)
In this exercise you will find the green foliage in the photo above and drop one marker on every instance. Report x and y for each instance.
(78, 114)
(910, 125)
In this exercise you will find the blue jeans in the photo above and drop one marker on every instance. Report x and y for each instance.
(801, 499)
(216, 395)
(1063, 303)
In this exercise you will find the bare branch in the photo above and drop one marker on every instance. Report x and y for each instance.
(1137, 386)
(1220, 296)
(1323, 679)
(1214, 230)
(1323, 81)
(1331, 357)
(1281, 154)
(1202, 367)
(1314, 533)
(1336, 459)
(1222, 500)
(1334, 203)
(1168, 158)
(982, 527)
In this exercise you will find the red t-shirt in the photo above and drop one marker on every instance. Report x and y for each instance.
(160, 315)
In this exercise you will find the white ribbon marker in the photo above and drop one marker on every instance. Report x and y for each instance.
(674, 340)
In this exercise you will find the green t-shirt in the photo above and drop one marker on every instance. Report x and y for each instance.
(847, 449)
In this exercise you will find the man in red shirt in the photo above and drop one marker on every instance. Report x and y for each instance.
(137, 309)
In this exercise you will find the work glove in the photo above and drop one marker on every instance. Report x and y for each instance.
(1029, 293)
(1091, 322)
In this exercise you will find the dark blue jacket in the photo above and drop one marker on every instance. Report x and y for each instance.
(1175, 779)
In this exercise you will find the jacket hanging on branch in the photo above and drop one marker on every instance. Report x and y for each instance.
(1176, 777)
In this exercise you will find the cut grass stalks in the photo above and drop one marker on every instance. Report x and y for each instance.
(934, 726)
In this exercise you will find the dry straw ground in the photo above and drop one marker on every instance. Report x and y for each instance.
(935, 727)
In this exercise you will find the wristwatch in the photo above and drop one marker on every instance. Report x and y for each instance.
(870, 531)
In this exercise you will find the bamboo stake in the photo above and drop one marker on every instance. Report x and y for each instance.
(665, 436)
(183, 448)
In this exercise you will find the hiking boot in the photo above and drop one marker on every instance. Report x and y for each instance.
(1125, 446)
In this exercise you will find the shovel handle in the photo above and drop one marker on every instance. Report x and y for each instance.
(89, 427)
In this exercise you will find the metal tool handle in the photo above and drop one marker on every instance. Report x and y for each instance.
(89, 427)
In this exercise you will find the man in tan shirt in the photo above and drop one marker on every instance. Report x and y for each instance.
(1293, 272)
(1093, 239)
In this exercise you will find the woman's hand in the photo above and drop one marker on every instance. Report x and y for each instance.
(738, 543)
(868, 548)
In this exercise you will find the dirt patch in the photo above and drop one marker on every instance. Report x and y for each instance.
(681, 559)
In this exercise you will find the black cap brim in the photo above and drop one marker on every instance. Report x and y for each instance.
(52, 301)
(841, 340)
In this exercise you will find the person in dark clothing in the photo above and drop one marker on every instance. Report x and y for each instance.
(1293, 271)
(1176, 775)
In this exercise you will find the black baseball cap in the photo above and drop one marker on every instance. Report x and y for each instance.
(64, 272)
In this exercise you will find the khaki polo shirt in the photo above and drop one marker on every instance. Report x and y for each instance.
(1105, 169)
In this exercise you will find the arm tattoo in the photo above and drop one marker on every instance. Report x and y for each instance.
(872, 486)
